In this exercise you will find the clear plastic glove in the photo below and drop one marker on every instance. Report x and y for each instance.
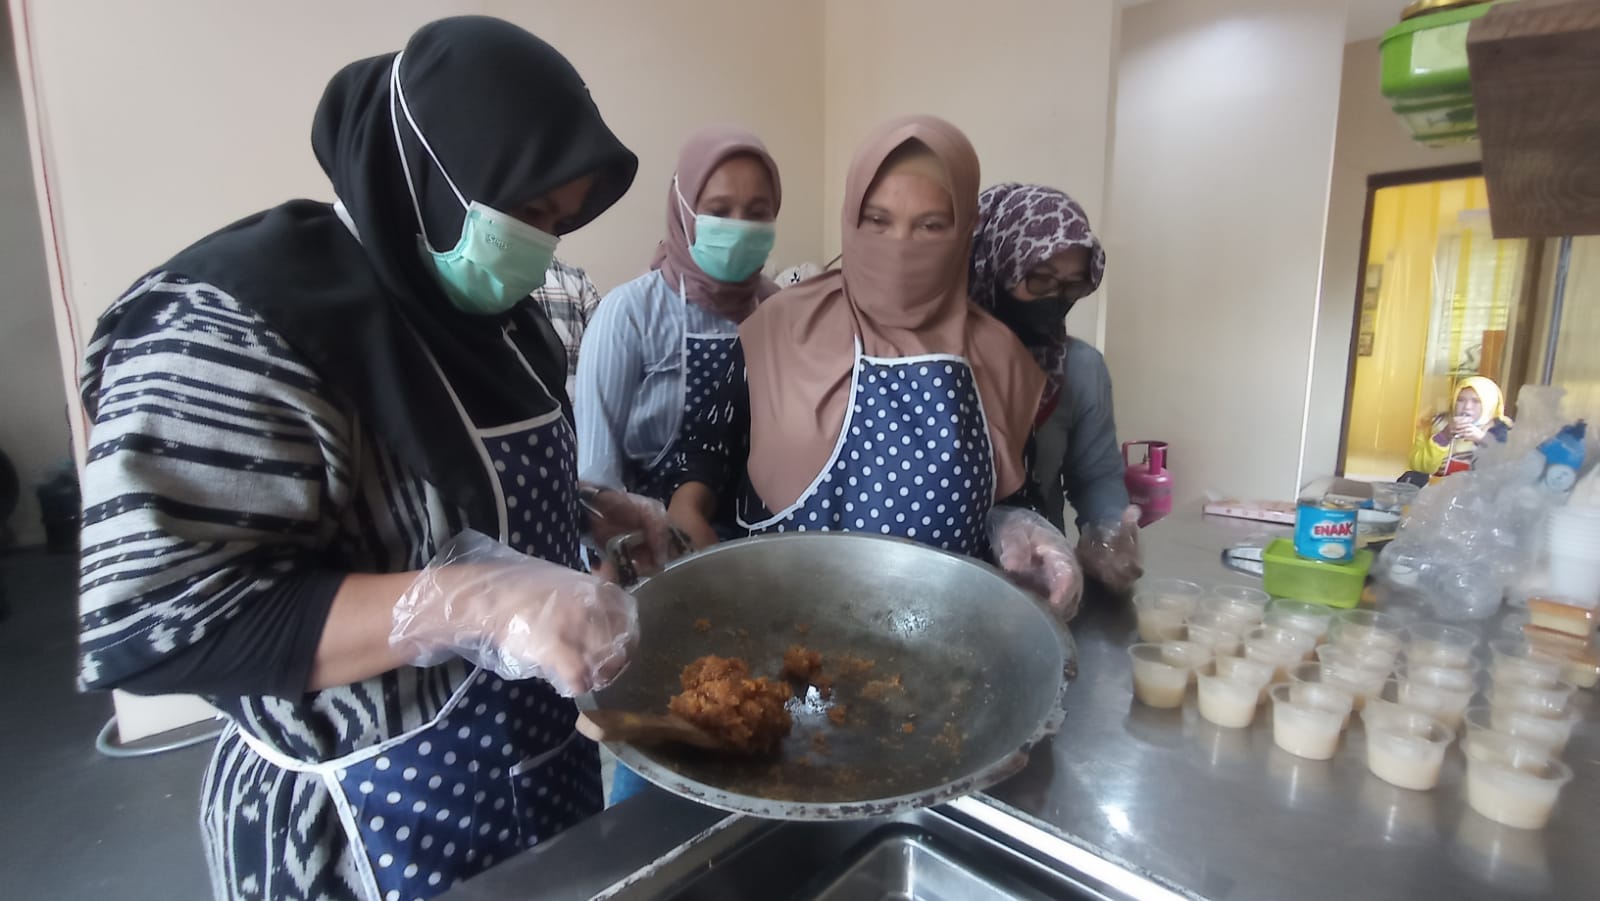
(520, 616)
(614, 514)
(1109, 552)
(1037, 556)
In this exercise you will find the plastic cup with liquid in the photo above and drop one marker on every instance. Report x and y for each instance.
(1178, 588)
(1549, 733)
(1307, 718)
(1218, 632)
(1387, 698)
(1545, 728)
(1443, 692)
(1160, 613)
(1436, 644)
(1283, 637)
(1512, 782)
(1549, 698)
(1280, 658)
(1246, 606)
(1161, 671)
(1316, 673)
(1243, 594)
(1302, 616)
(1361, 671)
(1376, 653)
(1405, 748)
(1248, 670)
(1514, 660)
(1230, 692)
(1366, 629)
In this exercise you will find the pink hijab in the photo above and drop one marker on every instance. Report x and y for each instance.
(899, 298)
(705, 150)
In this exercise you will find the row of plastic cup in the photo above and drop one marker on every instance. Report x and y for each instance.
(1513, 746)
(1413, 685)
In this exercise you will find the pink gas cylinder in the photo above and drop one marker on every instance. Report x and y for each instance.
(1149, 483)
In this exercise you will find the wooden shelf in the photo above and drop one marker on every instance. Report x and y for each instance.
(1535, 68)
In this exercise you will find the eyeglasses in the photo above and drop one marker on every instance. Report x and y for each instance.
(1041, 284)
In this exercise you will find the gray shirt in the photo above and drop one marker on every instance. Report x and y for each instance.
(1078, 460)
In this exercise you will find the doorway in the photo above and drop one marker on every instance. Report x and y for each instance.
(1439, 299)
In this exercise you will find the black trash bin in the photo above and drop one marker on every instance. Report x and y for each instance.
(61, 511)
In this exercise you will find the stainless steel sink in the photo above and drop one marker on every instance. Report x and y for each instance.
(911, 864)
(927, 855)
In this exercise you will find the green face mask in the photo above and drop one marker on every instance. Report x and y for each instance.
(728, 250)
(498, 261)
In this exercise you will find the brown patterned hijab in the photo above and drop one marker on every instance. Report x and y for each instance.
(1019, 227)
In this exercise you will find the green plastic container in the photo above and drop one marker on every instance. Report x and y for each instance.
(1288, 575)
(1425, 74)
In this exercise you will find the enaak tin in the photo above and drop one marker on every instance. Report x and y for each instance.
(1325, 530)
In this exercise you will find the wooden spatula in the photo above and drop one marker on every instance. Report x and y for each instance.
(644, 729)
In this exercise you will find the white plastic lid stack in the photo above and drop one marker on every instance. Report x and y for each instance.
(1572, 544)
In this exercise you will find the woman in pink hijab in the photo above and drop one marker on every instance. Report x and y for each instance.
(657, 346)
(878, 397)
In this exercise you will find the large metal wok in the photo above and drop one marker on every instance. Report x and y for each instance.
(980, 666)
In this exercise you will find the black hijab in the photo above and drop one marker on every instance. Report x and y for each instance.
(509, 119)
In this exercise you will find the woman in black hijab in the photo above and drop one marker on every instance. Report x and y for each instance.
(331, 485)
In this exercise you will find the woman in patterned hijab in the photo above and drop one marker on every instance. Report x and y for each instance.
(1033, 257)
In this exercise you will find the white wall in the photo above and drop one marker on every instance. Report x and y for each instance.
(1371, 141)
(1225, 117)
(206, 109)
(1029, 81)
(33, 411)
(160, 121)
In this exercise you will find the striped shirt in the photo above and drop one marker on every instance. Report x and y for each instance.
(220, 466)
(568, 300)
(629, 403)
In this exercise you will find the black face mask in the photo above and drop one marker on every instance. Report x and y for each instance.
(1035, 321)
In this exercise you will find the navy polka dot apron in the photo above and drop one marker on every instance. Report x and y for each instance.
(500, 767)
(913, 459)
(705, 364)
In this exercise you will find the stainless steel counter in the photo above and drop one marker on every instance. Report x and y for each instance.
(1224, 814)
(1211, 813)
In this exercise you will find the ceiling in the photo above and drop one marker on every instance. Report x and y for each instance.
(1368, 19)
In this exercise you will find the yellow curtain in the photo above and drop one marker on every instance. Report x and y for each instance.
(1577, 366)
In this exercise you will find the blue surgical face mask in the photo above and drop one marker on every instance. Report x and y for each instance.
(728, 250)
(498, 261)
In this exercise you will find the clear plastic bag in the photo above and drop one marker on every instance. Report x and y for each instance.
(1472, 536)
(1110, 554)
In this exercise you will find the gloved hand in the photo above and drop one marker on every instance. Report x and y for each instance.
(1037, 556)
(614, 513)
(1109, 552)
(520, 616)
